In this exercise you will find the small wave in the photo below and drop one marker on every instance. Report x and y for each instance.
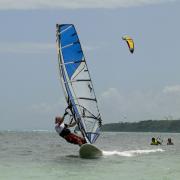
(25, 130)
(131, 152)
(41, 130)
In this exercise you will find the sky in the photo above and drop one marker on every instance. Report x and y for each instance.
(129, 87)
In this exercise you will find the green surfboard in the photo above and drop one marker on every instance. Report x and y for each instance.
(89, 151)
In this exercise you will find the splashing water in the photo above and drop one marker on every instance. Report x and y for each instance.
(131, 152)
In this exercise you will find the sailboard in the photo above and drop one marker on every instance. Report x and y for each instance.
(89, 151)
(76, 82)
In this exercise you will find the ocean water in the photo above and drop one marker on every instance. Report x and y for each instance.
(44, 155)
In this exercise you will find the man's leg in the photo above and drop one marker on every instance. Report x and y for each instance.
(72, 138)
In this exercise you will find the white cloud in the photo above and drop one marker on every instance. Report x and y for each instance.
(116, 106)
(172, 89)
(42, 108)
(111, 92)
(74, 4)
(29, 48)
(92, 47)
(36, 47)
(48, 108)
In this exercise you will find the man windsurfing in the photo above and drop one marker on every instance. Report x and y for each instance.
(63, 130)
(78, 88)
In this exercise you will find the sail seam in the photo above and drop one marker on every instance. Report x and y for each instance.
(65, 29)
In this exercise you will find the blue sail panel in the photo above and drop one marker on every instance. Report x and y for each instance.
(63, 26)
(92, 136)
(71, 48)
(68, 34)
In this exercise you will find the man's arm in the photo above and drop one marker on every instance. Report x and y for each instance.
(72, 124)
(65, 113)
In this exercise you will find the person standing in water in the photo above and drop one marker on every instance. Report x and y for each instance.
(169, 142)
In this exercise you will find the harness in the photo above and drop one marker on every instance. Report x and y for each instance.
(65, 131)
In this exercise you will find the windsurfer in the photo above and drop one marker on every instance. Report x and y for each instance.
(63, 130)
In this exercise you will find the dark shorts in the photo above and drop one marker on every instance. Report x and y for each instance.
(65, 132)
(74, 139)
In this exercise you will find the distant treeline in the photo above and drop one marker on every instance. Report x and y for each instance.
(144, 126)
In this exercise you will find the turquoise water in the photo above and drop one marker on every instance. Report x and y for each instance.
(127, 156)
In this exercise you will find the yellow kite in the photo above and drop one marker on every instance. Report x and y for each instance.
(130, 42)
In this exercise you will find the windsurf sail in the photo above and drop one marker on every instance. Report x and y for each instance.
(76, 82)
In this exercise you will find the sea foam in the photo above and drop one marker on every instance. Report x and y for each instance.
(131, 153)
